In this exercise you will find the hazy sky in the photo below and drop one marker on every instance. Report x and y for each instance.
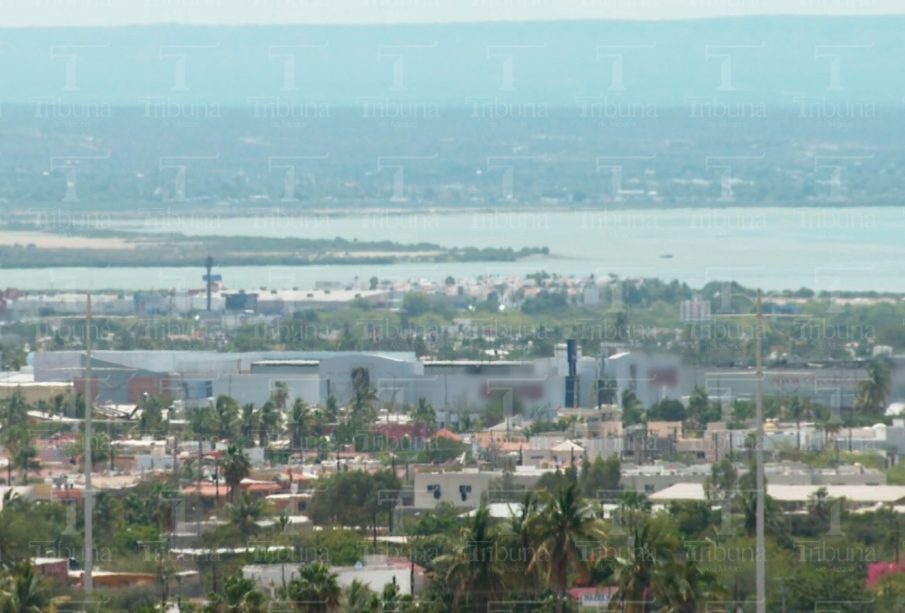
(121, 12)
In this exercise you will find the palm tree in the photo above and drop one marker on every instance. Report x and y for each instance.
(773, 518)
(521, 524)
(26, 592)
(59, 405)
(831, 426)
(819, 507)
(280, 395)
(204, 423)
(654, 573)
(633, 504)
(235, 466)
(316, 589)
(682, 586)
(246, 512)
(108, 512)
(873, 391)
(698, 404)
(361, 378)
(631, 408)
(14, 411)
(424, 414)
(25, 460)
(226, 412)
(363, 401)
(269, 421)
(363, 396)
(796, 412)
(636, 568)
(151, 419)
(17, 441)
(521, 536)
(722, 483)
(240, 595)
(357, 598)
(15, 433)
(298, 423)
(565, 522)
(250, 422)
(162, 507)
(391, 599)
(332, 408)
(474, 570)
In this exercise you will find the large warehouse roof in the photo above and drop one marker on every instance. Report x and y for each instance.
(794, 493)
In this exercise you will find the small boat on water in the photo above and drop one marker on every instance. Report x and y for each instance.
(666, 256)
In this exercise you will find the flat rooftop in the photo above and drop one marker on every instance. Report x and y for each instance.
(477, 363)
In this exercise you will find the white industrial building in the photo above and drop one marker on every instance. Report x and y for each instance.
(653, 377)
(536, 388)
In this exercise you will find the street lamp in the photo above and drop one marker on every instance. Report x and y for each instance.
(760, 547)
(88, 567)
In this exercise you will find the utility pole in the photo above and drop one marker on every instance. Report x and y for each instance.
(760, 549)
(200, 469)
(110, 449)
(209, 264)
(87, 578)
(390, 516)
(176, 461)
(851, 423)
(898, 537)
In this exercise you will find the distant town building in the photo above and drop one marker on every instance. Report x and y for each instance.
(695, 310)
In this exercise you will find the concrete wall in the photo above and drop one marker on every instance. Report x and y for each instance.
(35, 392)
(651, 378)
(479, 481)
(376, 572)
(256, 388)
(834, 386)
(393, 378)
(648, 376)
(456, 389)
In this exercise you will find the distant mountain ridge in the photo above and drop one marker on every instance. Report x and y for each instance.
(766, 61)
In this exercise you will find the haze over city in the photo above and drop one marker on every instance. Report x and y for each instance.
(81, 13)
(423, 305)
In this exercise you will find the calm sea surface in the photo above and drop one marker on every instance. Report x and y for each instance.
(849, 248)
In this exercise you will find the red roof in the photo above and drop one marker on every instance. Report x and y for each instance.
(67, 494)
(208, 490)
(261, 488)
(448, 435)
